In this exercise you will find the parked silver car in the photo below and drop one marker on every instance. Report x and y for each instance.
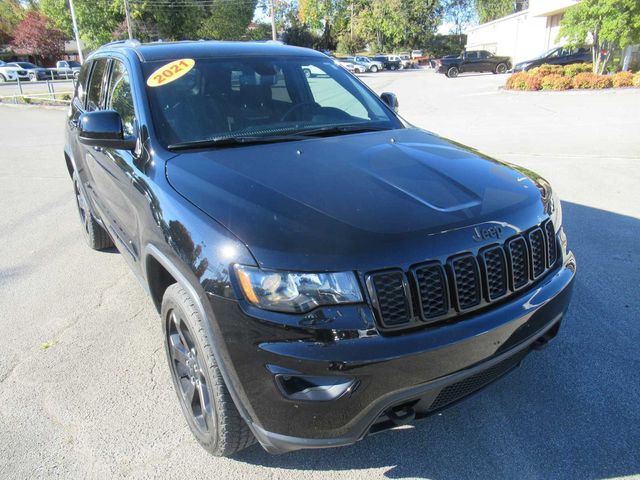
(371, 65)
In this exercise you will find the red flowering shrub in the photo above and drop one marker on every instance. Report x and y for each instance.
(533, 82)
(622, 79)
(636, 80)
(601, 81)
(556, 82)
(544, 70)
(517, 81)
(583, 80)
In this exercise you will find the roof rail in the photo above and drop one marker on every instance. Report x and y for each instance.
(125, 43)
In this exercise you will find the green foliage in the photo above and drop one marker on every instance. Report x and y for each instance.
(349, 45)
(610, 24)
(555, 81)
(576, 68)
(420, 21)
(11, 14)
(547, 69)
(260, 31)
(489, 10)
(227, 20)
(441, 45)
(460, 13)
(58, 12)
(300, 35)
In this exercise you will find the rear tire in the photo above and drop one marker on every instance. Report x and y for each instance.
(374, 69)
(501, 68)
(2, 79)
(452, 72)
(205, 400)
(94, 234)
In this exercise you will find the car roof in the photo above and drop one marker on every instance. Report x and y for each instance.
(150, 52)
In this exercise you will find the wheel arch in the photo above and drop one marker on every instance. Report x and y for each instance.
(154, 258)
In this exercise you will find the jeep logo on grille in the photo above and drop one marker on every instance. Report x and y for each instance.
(486, 233)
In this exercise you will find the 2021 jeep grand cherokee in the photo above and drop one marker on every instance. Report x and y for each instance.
(323, 269)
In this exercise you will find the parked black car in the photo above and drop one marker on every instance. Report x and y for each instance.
(388, 63)
(557, 56)
(322, 269)
(475, 61)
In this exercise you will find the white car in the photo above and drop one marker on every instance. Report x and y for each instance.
(371, 65)
(352, 67)
(9, 73)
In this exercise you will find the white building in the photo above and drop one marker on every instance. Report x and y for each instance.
(522, 35)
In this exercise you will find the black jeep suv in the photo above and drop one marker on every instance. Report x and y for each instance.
(323, 270)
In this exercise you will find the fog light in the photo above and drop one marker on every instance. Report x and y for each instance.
(314, 388)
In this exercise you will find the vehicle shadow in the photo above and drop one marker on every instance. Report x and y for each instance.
(571, 410)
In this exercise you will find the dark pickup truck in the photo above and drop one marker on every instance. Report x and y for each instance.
(322, 269)
(475, 61)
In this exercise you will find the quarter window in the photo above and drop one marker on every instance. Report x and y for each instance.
(120, 98)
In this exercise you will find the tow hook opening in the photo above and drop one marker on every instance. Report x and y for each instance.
(402, 414)
(542, 342)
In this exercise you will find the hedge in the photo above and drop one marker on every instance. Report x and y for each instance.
(556, 77)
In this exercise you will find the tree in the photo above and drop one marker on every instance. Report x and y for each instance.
(11, 14)
(97, 19)
(460, 13)
(489, 10)
(300, 35)
(420, 20)
(350, 44)
(258, 31)
(227, 20)
(35, 36)
(609, 24)
(331, 16)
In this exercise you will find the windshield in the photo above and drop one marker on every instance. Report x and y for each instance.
(548, 52)
(25, 65)
(260, 97)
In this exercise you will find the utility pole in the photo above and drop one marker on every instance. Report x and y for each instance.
(274, 35)
(351, 22)
(128, 15)
(75, 30)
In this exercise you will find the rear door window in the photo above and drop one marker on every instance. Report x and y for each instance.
(94, 93)
(120, 98)
(81, 86)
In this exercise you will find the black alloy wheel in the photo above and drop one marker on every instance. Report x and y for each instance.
(190, 374)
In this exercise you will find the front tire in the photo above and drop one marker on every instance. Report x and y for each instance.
(33, 77)
(94, 234)
(2, 79)
(374, 69)
(501, 68)
(205, 400)
(453, 72)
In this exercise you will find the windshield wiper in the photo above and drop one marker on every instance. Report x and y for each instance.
(232, 141)
(339, 130)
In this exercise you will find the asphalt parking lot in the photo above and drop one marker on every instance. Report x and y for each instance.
(84, 386)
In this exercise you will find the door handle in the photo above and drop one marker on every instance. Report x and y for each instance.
(98, 149)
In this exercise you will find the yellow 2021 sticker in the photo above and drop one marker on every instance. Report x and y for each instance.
(170, 72)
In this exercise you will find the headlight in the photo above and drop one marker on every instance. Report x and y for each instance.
(551, 201)
(294, 292)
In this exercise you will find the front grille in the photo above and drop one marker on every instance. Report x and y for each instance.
(432, 285)
(464, 283)
(467, 290)
(467, 386)
(392, 301)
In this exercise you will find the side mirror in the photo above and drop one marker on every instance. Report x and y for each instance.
(391, 100)
(103, 128)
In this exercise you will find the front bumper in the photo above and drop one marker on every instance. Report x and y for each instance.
(398, 377)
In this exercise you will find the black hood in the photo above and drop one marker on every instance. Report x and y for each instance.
(359, 201)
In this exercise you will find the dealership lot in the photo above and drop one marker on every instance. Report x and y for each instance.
(85, 389)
